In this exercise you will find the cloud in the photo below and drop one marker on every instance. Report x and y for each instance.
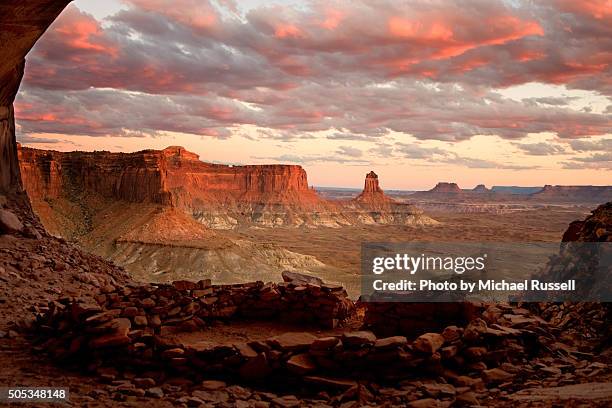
(549, 100)
(349, 151)
(598, 161)
(596, 158)
(430, 71)
(34, 140)
(382, 150)
(347, 136)
(476, 163)
(540, 149)
(581, 145)
(313, 158)
(416, 151)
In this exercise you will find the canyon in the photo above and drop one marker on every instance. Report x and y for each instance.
(166, 215)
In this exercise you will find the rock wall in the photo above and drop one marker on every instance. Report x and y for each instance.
(131, 177)
(21, 24)
(409, 319)
(171, 176)
(117, 316)
(121, 332)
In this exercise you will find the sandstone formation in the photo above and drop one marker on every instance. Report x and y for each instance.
(548, 194)
(372, 195)
(218, 196)
(373, 206)
(172, 176)
(448, 197)
(371, 185)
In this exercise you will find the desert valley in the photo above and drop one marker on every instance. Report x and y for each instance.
(165, 215)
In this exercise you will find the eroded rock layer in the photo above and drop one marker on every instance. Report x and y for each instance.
(171, 176)
(219, 196)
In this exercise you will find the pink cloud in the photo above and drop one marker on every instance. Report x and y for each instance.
(80, 35)
(199, 15)
(194, 68)
(285, 30)
(332, 18)
(599, 9)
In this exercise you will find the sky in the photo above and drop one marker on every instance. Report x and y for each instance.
(474, 91)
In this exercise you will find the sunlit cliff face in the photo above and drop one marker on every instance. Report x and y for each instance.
(491, 92)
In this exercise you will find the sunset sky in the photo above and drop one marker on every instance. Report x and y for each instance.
(479, 91)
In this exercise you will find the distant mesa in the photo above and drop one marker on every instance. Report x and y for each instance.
(481, 188)
(596, 194)
(446, 188)
(519, 190)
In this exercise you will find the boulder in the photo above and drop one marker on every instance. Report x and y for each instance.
(9, 222)
(496, 375)
(301, 279)
(256, 368)
(358, 338)
(428, 343)
(292, 341)
(324, 343)
(301, 364)
(390, 342)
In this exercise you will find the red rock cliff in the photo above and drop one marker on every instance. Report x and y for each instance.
(171, 176)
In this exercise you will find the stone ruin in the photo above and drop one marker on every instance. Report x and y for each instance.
(122, 330)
